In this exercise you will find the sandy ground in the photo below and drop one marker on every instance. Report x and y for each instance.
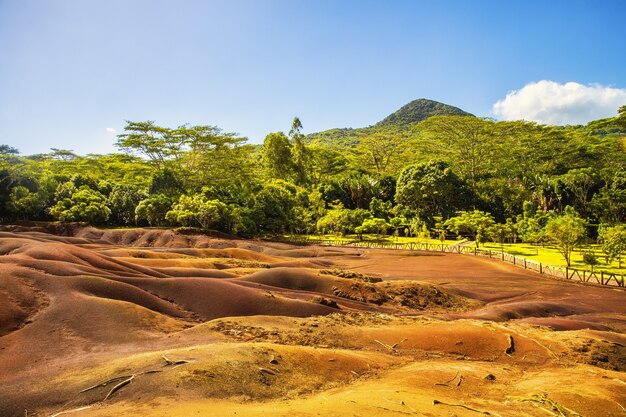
(155, 323)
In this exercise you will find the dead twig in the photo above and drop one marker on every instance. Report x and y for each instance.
(445, 384)
(169, 362)
(386, 346)
(395, 345)
(71, 411)
(105, 383)
(435, 402)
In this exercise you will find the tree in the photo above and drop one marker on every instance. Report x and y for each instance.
(613, 242)
(153, 209)
(197, 209)
(8, 150)
(274, 207)
(84, 205)
(381, 151)
(591, 259)
(374, 225)
(146, 138)
(432, 189)
(277, 157)
(580, 182)
(26, 204)
(122, 201)
(300, 155)
(397, 223)
(499, 232)
(466, 142)
(566, 232)
(475, 224)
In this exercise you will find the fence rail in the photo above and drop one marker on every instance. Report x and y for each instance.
(565, 273)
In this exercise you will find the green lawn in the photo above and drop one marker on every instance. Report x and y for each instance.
(550, 256)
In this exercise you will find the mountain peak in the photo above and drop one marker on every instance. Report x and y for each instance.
(418, 110)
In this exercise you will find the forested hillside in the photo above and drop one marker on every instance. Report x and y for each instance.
(409, 174)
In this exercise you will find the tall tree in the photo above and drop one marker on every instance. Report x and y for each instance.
(432, 189)
(299, 153)
(566, 232)
(277, 157)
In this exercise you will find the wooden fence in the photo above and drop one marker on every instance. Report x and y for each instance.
(565, 273)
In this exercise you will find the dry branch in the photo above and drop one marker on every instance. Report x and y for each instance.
(119, 386)
(446, 383)
(435, 402)
(169, 362)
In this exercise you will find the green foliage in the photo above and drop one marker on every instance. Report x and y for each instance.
(566, 232)
(340, 220)
(25, 204)
(373, 225)
(198, 210)
(431, 189)
(446, 166)
(273, 209)
(613, 242)
(476, 224)
(591, 259)
(123, 200)
(153, 209)
(84, 205)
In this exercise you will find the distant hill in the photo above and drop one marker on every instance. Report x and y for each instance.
(418, 110)
(402, 119)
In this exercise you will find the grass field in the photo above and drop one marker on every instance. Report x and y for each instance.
(370, 238)
(546, 254)
(550, 256)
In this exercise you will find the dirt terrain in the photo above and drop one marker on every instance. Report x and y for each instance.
(149, 322)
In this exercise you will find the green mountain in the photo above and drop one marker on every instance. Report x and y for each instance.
(418, 110)
(398, 121)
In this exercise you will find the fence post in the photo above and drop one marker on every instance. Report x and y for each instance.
(566, 273)
(475, 251)
(513, 259)
(503, 255)
(540, 268)
(602, 277)
(525, 263)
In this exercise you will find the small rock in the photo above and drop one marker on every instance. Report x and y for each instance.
(490, 377)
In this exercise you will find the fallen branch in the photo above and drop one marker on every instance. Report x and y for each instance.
(445, 384)
(396, 344)
(105, 383)
(435, 402)
(389, 348)
(70, 411)
(119, 386)
(169, 362)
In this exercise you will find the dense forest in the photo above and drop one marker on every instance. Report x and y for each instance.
(428, 168)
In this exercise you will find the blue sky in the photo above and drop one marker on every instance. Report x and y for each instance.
(70, 69)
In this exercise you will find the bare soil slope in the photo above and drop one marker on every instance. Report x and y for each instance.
(153, 322)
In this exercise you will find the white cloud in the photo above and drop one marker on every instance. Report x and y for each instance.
(110, 130)
(548, 102)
